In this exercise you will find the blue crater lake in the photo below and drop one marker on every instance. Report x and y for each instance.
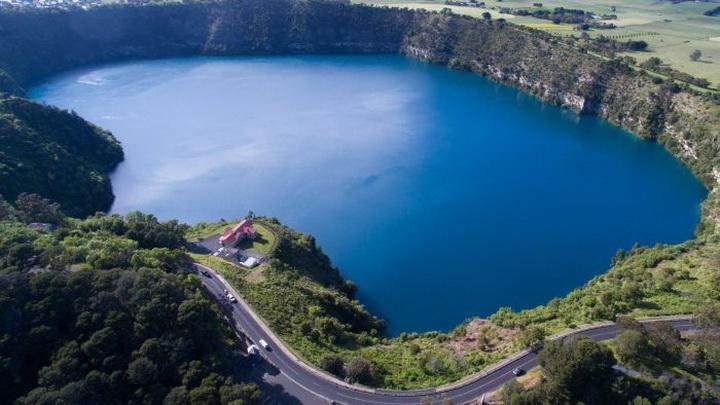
(441, 194)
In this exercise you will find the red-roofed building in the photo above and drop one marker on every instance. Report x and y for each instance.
(243, 230)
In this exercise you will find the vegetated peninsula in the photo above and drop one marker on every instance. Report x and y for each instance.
(57, 154)
(69, 287)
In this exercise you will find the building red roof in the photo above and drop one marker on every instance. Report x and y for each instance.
(240, 231)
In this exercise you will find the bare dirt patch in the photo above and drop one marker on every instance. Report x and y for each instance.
(481, 334)
(626, 22)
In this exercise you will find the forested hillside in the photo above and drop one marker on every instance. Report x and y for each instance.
(56, 154)
(102, 311)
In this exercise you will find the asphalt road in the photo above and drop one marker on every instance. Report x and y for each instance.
(311, 386)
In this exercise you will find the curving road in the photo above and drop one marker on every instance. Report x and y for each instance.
(312, 386)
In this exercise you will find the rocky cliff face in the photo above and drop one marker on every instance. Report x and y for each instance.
(36, 44)
(281, 26)
(687, 124)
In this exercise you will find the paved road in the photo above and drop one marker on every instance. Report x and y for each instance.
(310, 386)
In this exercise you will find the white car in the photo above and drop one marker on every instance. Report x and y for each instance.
(264, 344)
(231, 298)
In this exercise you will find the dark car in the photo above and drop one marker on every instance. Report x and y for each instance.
(518, 372)
(205, 273)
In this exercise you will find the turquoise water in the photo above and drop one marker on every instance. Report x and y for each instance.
(441, 194)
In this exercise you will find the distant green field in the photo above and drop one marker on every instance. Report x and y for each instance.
(673, 31)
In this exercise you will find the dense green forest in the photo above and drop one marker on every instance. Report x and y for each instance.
(57, 154)
(102, 311)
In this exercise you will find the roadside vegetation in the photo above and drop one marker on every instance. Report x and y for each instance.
(102, 310)
(656, 366)
(659, 353)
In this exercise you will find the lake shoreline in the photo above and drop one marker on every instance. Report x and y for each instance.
(405, 150)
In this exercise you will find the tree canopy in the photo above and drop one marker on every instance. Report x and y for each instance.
(56, 154)
(88, 315)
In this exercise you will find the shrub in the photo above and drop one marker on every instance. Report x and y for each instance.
(359, 370)
(333, 364)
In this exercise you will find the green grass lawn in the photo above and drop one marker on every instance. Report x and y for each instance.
(439, 5)
(204, 230)
(672, 31)
(264, 242)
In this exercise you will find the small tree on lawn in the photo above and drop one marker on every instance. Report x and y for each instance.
(695, 55)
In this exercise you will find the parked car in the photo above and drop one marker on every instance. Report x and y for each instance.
(518, 371)
(253, 350)
(231, 298)
(264, 344)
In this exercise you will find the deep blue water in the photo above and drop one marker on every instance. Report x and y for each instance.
(441, 194)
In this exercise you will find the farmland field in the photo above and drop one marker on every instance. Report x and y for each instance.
(672, 31)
